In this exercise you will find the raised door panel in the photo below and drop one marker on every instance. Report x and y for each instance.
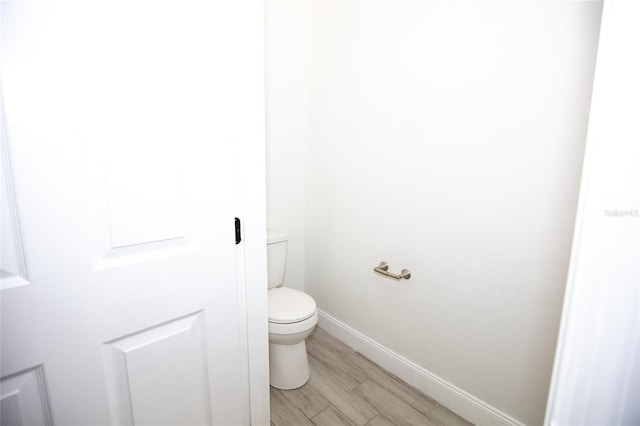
(159, 376)
(24, 399)
(12, 262)
(144, 194)
(140, 206)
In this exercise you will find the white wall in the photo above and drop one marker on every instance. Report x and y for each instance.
(286, 85)
(447, 138)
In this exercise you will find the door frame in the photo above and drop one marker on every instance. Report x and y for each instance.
(598, 342)
(252, 274)
(250, 188)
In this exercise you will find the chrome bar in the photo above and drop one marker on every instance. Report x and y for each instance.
(383, 269)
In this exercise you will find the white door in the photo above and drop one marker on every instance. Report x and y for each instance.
(122, 122)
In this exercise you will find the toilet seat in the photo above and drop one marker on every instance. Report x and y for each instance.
(287, 306)
(289, 329)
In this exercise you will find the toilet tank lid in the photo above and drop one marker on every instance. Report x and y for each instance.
(274, 237)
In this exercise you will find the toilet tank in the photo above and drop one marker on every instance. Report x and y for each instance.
(276, 257)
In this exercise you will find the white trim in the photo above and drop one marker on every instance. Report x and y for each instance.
(17, 277)
(597, 350)
(250, 208)
(449, 395)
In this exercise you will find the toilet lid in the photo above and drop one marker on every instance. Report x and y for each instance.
(287, 305)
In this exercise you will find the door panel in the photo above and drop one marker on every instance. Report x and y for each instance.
(24, 399)
(141, 206)
(12, 267)
(144, 195)
(122, 122)
(138, 394)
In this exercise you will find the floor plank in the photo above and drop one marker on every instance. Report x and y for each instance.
(284, 413)
(393, 407)
(348, 376)
(332, 344)
(350, 404)
(381, 420)
(391, 383)
(331, 417)
(307, 399)
(444, 417)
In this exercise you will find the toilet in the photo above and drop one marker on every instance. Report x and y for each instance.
(292, 316)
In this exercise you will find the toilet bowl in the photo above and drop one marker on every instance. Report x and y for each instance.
(292, 317)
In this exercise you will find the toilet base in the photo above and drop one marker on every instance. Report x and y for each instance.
(288, 365)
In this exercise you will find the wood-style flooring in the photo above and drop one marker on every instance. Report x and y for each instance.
(346, 388)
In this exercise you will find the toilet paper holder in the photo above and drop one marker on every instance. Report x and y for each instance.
(383, 269)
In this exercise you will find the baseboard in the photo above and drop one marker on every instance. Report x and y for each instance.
(452, 397)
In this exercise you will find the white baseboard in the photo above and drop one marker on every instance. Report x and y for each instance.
(452, 397)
